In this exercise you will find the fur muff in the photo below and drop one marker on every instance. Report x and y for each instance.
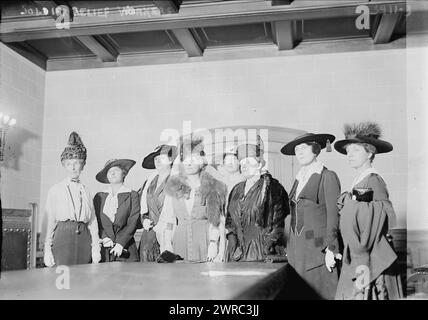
(213, 194)
(364, 129)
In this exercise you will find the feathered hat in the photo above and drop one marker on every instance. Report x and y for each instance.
(193, 144)
(75, 148)
(364, 132)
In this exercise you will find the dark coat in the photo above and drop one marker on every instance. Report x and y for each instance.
(257, 218)
(314, 226)
(125, 224)
(149, 247)
(364, 227)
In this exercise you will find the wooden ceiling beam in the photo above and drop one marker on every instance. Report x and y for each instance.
(28, 52)
(189, 42)
(385, 27)
(191, 16)
(305, 48)
(284, 34)
(105, 51)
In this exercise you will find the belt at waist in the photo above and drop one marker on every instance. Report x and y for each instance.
(78, 226)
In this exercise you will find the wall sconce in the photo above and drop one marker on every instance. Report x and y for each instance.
(6, 122)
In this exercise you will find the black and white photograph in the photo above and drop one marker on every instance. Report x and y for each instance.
(214, 150)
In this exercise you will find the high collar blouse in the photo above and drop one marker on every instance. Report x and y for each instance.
(111, 203)
(305, 174)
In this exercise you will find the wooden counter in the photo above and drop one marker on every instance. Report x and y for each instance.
(152, 281)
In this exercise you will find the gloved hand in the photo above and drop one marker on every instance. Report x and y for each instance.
(343, 199)
(147, 224)
(107, 242)
(212, 251)
(48, 258)
(238, 254)
(330, 261)
(117, 250)
(96, 254)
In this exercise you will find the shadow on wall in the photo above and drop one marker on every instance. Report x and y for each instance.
(14, 147)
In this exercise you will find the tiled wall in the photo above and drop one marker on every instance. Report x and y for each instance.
(22, 88)
(120, 112)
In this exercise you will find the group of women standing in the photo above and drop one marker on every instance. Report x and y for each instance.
(236, 212)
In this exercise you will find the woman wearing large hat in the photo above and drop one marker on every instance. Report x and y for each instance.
(227, 171)
(118, 212)
(312, 247)
(366, 215)
(256, 210)
(153, 196)
(196, 200)
(72, 230)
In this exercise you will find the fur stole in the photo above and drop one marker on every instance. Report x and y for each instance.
(213, 194)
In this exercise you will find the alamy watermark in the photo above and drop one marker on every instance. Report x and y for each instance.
(63, 280)
(218, 141)
(362, 22)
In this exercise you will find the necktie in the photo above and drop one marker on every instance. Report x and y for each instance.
(75, 180)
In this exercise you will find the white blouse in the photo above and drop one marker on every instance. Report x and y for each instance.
(111, 203)
(69, 200)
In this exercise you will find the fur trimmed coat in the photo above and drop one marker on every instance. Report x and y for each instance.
(256, 220)
(191, 236)
(212, 194)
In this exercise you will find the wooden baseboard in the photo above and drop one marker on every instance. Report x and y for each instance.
(418, 236)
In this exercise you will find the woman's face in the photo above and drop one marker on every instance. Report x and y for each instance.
(304, 154)
(230, 163)
(357, 155)
(162, 161)
(73, 167)
(193, 164)
(250, 167)
(115, 175)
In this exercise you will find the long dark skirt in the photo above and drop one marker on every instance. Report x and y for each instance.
(385, 287)
(70, 247)
(309, 265)
(149, 246)
(129, 254)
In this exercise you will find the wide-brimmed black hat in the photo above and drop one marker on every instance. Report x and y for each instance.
(149, 161)
(365, 132)
(124, 164)
(322, 139)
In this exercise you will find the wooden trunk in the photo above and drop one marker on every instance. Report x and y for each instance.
(17, 239)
